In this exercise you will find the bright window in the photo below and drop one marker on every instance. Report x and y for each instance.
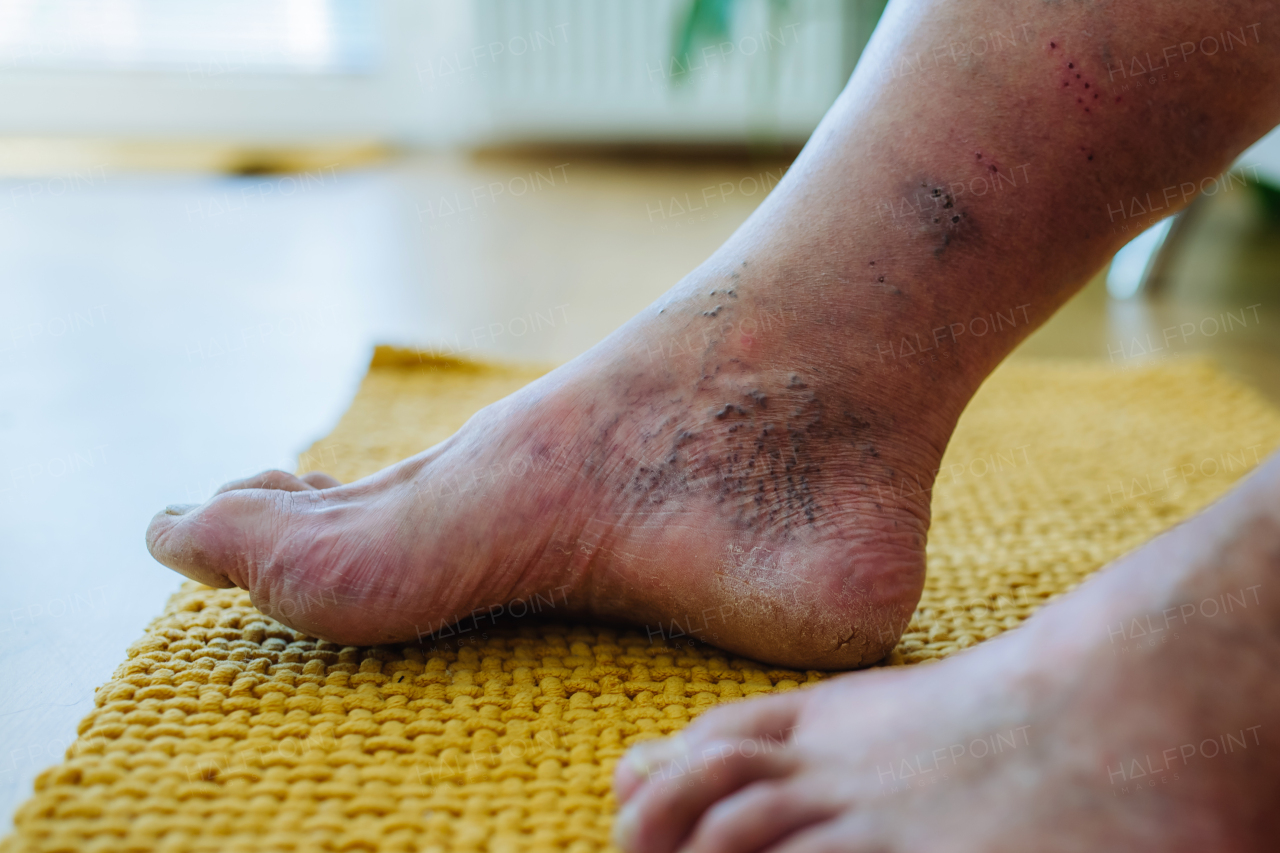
(207, 37)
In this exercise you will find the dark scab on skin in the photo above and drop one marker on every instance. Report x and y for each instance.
(943, 218)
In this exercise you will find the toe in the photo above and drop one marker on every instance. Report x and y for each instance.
(280, 480)
(320, 480)
(630, 774)
(770, 717)
(762, 813)
(676, 794)
(222, 542)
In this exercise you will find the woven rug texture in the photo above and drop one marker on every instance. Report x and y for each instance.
(226, 731)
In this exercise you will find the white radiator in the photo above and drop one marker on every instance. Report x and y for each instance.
(607, 70)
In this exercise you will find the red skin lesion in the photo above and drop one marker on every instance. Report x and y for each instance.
(1072, 74)
(990, 166)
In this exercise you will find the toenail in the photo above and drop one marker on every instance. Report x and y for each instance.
(179, 509)
(648, 755)
(624, 826)
(637, 758)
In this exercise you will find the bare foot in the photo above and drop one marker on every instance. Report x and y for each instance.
(1140, 713)
(750, 458)
(710, 469)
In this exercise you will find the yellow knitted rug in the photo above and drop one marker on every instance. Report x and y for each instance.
(226, 731)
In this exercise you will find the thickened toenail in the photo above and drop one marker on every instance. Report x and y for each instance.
(179, 509)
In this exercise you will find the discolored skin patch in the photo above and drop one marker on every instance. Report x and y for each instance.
(945, 220)
(760, 455)
(934, 211)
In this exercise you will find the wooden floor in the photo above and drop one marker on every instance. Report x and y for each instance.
(1241, 336)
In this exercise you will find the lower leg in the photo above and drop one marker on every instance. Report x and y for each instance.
(944, 188)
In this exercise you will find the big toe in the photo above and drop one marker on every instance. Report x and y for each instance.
(222, 542)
